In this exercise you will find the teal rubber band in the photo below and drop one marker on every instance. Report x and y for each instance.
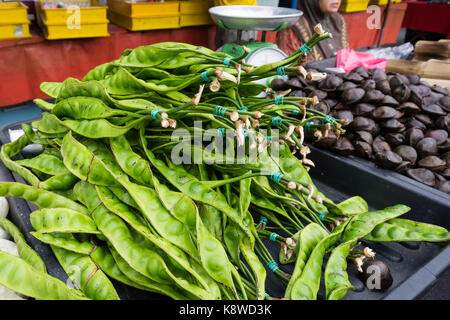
(329, 119)
(295, 112)
(322, 217)
(245, 131)
(273, 266)
(226, 61)
(269, 138)
(221, 132)
(266, 295)
(279, 100)
(243, 108)
(273, 236)
(281, 71)
(308, 126)
(277, 121)
(154, 113)
(205, 76)
(263, 220)
(305, 49)
(276, 176)
(220, 111)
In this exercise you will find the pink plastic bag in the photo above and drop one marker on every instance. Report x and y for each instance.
(348, 59)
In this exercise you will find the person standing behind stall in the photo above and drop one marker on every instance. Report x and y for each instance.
(324, 12)
(228, 36)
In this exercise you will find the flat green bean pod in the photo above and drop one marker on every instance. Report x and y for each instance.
(336, 277)
(51, 88)
(25, 251)
(364, 223)
(44, 105)
(395, 230)
(100, 72)
(21, 277)
(49, 124)
(60, 220)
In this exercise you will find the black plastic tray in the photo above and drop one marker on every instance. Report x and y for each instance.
(415, 266)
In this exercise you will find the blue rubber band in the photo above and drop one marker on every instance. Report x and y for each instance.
(220, 111)
(308, 126)
(295, 112)
(154, 113)
(243, 108)
(226, 61)
(276, 176)
(221, 132)
(263, 220)
(245, 132)
(205, 76)
(281, 71)
(322, 217)
(279, 100)
(269, 138)
(273, 266)
(277, 121)
(305, 49)
(266, 295)
(329, 119)
(273, 236)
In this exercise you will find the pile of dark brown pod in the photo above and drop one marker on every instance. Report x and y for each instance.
(395, 120)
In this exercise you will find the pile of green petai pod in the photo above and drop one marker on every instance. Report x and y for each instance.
(115, 204)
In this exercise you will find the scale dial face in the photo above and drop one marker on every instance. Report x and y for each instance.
(264, 56)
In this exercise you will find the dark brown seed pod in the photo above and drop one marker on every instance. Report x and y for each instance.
(388, 101)
(363, 72)
(344, 114)
(413, 79)
(444, 102)
(444, 147)
(424, 118)
(330, 83)
(439, 135)
(363, 149)
(414, 123)
(320, 94)
(328, 141)
(352, 95)
(346, 85)
(422, 175)
(393, 125)
(402, 167)
(297, 93)
(444, 186)
(446, 158)
(404, 78)
(433, 163)
(343, 146)
(278, 84)
(434, 110)
(331, 102)
(395, 139)
(383, 113)
(322, 107)
(376, 275)
(368, 84)
(443, 123)
(409, 108)
(340, 106)
(363, 124)
(424, 90)
(395, 82)
(401, 93)
(362, 109)
(413, 135)
(446, 173)
(373, 96)
(415, 96)
(439, 89)
(431, 99)
(407, 153)
(379, 145)
(378, 74)
(426, 147)
(364, 136)
(388, 159)
(353, 77)
(384, 86)
(294, 83)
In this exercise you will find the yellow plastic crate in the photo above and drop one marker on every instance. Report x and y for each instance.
(146, 23)
(53, 32)
(15, 31)
(353, 5)
(195, 12)
(144, 9)
(13, 13)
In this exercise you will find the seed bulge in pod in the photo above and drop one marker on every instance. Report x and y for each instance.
(426, 147)
(343, 146)
(362, 109)
(393, 125)
(413, 79)
(278, 84)
(383, 113)
(413, 135)
(395, 139)
(352, 95)
(439, 135)
(346, 85)
(443, 123)
(414, 123)
(401, 93)
(380, 145)
(415, 95)
(378, 74)
(368, 84)
(353, 77)
(424, 118)
(422, 175)
(319, 93)
(362, 124)
(364, 136)
(373, 96)
(387, 159)
(434, 110)
(407, 153)
(363, 149)
(433, 163)
(388, 101)
(294, 83)
(384, 87)
(444, 102)
(409, 108)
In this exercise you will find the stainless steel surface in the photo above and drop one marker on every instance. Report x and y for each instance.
(254, 17)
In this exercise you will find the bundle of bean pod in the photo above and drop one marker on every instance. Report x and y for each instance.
(115, 203)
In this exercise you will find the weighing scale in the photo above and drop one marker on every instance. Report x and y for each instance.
(254, 18)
